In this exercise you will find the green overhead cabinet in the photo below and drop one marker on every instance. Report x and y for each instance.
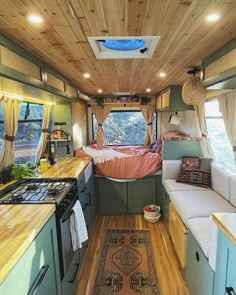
(37, 272)
(126, 197)
(219, 69)
(20, 65)
(170, 99)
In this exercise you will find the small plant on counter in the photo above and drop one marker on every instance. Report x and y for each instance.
(25, 170)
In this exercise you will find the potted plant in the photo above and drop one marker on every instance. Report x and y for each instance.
(25, 170)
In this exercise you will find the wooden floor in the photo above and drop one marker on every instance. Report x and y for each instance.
(170, 279)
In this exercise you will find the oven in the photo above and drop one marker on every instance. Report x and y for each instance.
(63, 193)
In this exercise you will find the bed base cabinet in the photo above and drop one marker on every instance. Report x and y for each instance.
(141, 193)
(125, 197)
(112, 197)
(198, 274)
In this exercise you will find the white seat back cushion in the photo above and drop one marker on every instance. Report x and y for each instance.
(170, 169)
(220, 179)
(171, 185)
(232, 190)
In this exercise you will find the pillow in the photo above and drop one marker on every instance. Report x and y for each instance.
(195, 171)
(156, 146)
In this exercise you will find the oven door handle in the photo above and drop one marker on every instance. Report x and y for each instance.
(67, 216)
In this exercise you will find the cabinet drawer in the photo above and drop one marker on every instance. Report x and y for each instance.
(198, 274)
(37, 272)
(178, 233)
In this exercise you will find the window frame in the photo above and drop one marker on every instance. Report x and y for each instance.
(122, 111)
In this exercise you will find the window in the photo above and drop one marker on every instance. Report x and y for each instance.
(29, 131)
(217, 135)
(124, 128)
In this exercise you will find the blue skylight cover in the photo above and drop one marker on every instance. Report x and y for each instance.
(124, 45)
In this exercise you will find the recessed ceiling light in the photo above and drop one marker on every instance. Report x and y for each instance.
(213, 17)
(99, 90)
(36, 19)
(162, 74)
(86, 75)
(148, 90)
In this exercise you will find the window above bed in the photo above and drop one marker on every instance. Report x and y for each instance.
(125, 127)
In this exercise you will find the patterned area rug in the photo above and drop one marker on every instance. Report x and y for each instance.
(127, 264)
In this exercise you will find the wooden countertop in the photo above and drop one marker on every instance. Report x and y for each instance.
(227, 223)
(66, 167)
(19, 225)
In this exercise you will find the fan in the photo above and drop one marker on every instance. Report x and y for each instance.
(193, 92)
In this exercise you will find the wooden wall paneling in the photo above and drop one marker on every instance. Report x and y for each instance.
(79, 124)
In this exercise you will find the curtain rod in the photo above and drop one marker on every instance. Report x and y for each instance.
(27, 99)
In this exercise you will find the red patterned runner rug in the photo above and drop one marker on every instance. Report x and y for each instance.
(127, 264)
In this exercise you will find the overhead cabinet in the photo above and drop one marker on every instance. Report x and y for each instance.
(219, 69)
(170, 99)
(20, 65)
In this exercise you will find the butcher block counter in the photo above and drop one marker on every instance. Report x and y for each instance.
(67, 167)
(227, 223)
(19, 225)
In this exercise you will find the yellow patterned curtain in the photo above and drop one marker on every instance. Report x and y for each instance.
(148, 113)
(11, 111)
(101, 114)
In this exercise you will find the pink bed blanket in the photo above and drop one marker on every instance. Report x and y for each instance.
(130, 162)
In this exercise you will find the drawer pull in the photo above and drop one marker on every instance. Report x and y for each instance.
(230, 291)
(83, 189)
(197, 256)
(38, 280)
(76, 268)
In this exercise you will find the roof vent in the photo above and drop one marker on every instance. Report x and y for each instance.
(123, 47)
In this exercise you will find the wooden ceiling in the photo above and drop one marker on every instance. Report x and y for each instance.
(61, 41)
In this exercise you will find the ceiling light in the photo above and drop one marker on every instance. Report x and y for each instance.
(162, 74)
(36, 19)
(148, 90)
(213, 17)
(86, 75)
(99, 90)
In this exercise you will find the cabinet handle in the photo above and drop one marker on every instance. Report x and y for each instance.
(75, 273)
(83, 189)
(197, 256)
(229, 290)
(39, 278)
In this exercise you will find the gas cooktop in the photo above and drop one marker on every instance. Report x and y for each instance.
(40, 190)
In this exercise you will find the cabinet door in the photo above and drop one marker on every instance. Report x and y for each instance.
(37, 272)
(225, 275)
(141, 193)
(165, 199)
(198, 274)
(158, 102)
(165, 103)
(69, 283)
(112, 197)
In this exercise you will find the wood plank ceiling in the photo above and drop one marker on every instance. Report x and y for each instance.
(61, 40)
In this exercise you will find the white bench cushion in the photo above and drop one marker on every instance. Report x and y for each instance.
(200, 228)
(220, 179)
(191, 204)
(171, 185)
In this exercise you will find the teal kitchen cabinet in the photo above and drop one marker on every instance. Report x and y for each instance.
(225, 275)
(69, 283)
(125, 197)
(165, 199)
(37, 271)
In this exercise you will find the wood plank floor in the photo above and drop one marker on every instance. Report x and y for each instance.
(170, 279)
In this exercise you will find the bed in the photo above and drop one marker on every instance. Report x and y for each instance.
(125, 162)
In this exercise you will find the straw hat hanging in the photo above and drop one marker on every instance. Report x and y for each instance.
(193, 92)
